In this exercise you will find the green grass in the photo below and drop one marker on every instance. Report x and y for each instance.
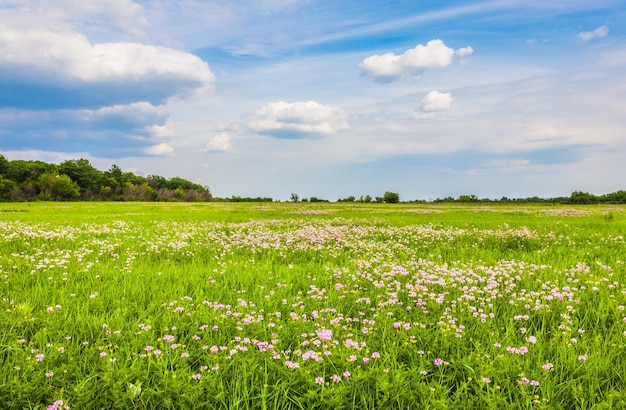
(306, 306)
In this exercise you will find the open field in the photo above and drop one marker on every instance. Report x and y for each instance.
(223, 305)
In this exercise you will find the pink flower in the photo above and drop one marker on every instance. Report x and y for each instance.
(39, 357)
(375, 355)
(324, 334)
(486, 380)
(319, 380)
(547, 366)
(196, 376)
(336, 378)
(438, 362)
(49, 374)
(346, 375)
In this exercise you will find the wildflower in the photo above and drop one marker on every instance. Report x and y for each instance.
(534, 383)
(103, 354)
(375, 355)
(523, 381)
(324, 334)
(346, 375)
(291, 365)
(58, 405)
(438, 362)
(184, 354)
(39, 357)
(532, 339)
(319, 380)
(366, 361)
(582, 357)
(547, 366)
(148, 348)
(336, 378)
(157, 352)
(486, 380)
(49, 374)
(423, 372)
(196, 376)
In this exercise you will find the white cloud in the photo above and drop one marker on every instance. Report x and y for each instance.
(219, 143)
(600, 32)
(465, 51)
(390, 66)
(50, 65)
(436, 101)
(162, 149)
(162, 131)
(433, 101)
(69, 55)
(298, 119)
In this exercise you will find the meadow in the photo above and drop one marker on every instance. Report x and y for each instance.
(311, 306)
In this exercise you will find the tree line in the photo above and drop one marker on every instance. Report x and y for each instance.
(77, 179)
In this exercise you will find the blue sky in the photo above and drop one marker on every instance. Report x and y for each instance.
(323, 98)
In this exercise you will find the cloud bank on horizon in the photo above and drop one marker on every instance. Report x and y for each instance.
(324, 99)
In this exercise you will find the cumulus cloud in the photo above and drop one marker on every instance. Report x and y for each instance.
(600, 32)
(298, 119)
(433, 102)
(390, 66)
(160, 150)
(52, 66)
(219, 143)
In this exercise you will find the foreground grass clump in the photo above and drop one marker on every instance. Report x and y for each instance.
(325, 306)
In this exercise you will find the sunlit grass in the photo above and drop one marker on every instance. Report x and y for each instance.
(311, 306)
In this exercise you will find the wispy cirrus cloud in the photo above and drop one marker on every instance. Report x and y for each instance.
(600, 32)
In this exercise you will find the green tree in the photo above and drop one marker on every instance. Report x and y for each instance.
(57, 187)
(294, 197)
(468, 198)
(391, 197)
(4, 165)
(23, 172)
(81, 171)
(579, 197)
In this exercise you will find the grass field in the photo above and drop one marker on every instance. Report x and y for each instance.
(302, 306)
